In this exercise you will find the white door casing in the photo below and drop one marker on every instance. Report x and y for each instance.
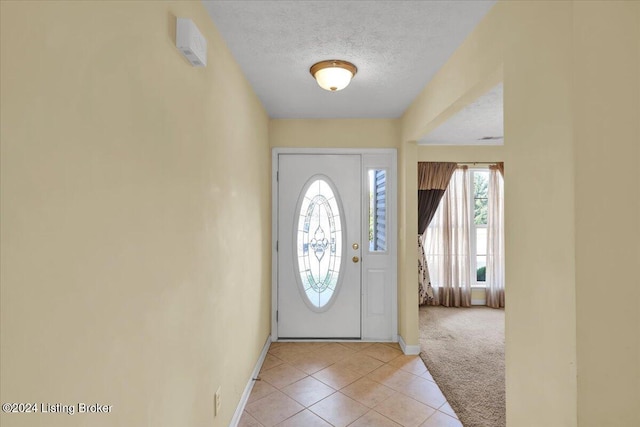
(364, 302)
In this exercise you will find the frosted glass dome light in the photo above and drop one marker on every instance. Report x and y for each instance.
(333, 75)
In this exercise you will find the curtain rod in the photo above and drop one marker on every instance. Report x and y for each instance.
(477, 163)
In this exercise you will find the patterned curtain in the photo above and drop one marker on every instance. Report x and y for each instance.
(433, 179)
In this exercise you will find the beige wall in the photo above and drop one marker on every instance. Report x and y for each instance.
(339, 133)
(607, 192)
(572, 358)
(135, 216)
(407, 243)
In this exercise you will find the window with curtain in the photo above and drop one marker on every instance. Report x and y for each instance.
(464, 244)
(479, 220)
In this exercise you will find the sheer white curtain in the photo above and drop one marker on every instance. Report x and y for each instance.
(495, 248)
(446, 245)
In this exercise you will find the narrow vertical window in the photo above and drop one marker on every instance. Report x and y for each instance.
(377, 210)
(319, 242)
(480, 181)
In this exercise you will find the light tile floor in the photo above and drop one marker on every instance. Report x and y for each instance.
(308, 384)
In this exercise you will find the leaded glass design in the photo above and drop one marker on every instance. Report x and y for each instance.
(319, 243)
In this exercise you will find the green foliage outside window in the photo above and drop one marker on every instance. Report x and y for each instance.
(481, 194)
(481, 274)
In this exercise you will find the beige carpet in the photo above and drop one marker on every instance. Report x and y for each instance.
(463, 349)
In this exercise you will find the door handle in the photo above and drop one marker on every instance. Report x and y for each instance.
(355, 259)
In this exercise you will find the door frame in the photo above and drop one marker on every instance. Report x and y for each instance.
(392, 213)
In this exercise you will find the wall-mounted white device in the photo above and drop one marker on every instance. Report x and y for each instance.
(191, 42)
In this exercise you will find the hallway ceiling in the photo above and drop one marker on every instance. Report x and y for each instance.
(398, 46)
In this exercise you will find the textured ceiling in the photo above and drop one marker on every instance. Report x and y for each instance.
(479, 123)
(398, 46)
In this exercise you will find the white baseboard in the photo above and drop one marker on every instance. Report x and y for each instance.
(408, 349)
(247, 390)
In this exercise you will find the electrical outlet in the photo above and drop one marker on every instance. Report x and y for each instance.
(217, 401)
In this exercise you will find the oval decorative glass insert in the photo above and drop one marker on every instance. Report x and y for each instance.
(319, 243)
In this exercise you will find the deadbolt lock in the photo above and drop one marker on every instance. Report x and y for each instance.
(355, 246)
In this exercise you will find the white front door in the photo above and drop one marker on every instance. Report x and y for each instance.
(319, 246)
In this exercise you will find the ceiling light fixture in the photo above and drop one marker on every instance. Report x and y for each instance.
(333, 75)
